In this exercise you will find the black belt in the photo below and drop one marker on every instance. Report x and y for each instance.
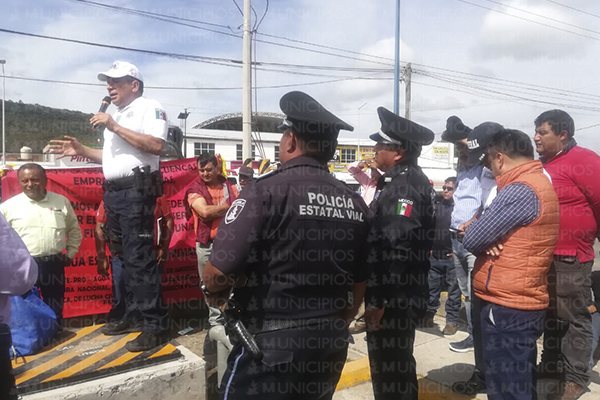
(270, 325)
(568, 259)
(45, 259)
(116, 185)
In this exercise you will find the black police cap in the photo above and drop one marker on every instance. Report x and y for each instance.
(455, 130)
(395, 129)
(306, 116)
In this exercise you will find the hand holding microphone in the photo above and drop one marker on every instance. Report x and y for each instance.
(103, 107)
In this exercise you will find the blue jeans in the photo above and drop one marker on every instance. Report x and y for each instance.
(464, 261)
(443, 271)
(510, 350)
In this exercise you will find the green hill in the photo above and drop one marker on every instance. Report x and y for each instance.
(33, 125)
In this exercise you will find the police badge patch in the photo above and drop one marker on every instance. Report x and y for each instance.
(235, 210)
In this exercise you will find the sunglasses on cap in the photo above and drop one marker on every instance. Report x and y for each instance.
(448, 188)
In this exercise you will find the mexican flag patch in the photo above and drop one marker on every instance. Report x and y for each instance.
(160, 114)
(404, 207)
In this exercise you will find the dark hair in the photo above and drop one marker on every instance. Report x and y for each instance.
(32, 166)
(451, 179)
(320, 149)
(206, 158)
(512, 143)
(131, 79)
(558, 120)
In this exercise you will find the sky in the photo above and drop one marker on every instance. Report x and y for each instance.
(482, 60)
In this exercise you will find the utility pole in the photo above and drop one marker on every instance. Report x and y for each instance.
(407, 81)
(397, 61)
(247, 84)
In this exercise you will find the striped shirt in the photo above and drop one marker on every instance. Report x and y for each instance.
(467, 196)
(516, 205)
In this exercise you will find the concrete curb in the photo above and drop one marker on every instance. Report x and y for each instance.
(354, 373)
(358, 372)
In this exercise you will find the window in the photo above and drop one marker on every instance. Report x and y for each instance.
(348, 156)
(203, 147)
(276, 158)
(239, 155)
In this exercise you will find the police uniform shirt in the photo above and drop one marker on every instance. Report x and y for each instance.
(47, 227)
(143, 116)
(300, 236)
(404, 225)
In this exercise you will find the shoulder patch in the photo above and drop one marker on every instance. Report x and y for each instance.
(404, 207)
(235, 210)
(160, 114)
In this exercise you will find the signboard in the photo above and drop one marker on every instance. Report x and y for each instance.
(87, 292)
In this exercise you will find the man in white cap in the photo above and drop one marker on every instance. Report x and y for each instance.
(133, 140)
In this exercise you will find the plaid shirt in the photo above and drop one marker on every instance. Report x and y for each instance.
(516, 205)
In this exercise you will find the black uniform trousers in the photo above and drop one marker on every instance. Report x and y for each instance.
(299, 363)
(130, 215)
(8, 390)
(51, 281)
(393, 366)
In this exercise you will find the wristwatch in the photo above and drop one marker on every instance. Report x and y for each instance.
(205, 291)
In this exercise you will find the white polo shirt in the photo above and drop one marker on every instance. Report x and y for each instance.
(142, 116)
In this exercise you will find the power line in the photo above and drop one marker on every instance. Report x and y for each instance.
(188, 88)
(530, 20)
(543, 16)
(573, 8)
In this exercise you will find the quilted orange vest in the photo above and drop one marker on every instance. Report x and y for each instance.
(518, 277)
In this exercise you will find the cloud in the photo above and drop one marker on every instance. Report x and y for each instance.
(515, 36)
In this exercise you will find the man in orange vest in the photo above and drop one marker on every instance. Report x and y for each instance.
(514, 241)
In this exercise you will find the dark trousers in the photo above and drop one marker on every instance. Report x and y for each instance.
(130, 215)
(8, 390)
(302, 364)
(478, 342)
(510, 350)
(51, 281)
(440, 272)
(393, 366)
(124, 306)
(569, 286)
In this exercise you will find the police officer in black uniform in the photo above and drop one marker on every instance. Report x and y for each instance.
(299, 236)
(403, 224)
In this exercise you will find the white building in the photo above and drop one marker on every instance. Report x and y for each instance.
(223, 135)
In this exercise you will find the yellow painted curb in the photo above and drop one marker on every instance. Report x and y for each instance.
(355, 373)
(430, 390)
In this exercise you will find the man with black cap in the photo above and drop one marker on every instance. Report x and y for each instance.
(477, 142)
(134, 137)
(298, 236)
(245, 174)
(473, 185)
(400, 244)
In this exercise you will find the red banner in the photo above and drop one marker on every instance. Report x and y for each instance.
(86, 292)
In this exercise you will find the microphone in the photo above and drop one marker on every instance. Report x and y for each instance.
(103, 107)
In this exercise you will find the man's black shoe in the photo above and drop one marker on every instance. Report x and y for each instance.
(121, 327)
(147, 341)
(471, 387)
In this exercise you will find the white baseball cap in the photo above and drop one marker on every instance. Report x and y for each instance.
(119, 69)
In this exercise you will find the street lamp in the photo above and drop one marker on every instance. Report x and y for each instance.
(2, 62)
(183, 121)
(359, 158)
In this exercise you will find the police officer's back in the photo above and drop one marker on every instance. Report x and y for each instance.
(403, 222)
(299, 235)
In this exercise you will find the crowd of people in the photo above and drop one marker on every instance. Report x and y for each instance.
(303, 255)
